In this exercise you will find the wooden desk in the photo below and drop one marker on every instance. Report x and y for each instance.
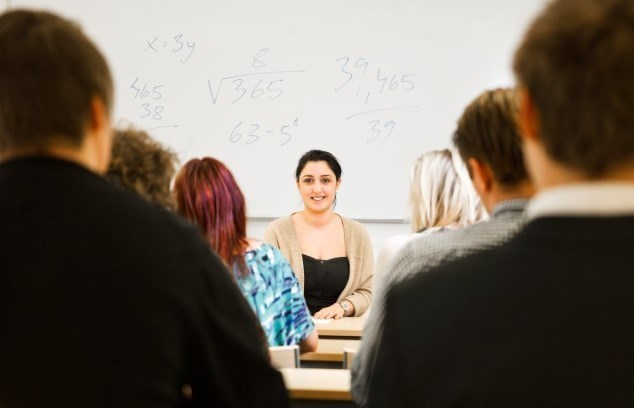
(330, 350)
(346, 327)
(321, 384)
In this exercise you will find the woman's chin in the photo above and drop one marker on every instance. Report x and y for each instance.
(318, 207)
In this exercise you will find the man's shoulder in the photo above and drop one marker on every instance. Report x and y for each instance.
(130, 211)
(522, 245)
(479, 269)
(481, 235)
(118, 218)
(457, 278)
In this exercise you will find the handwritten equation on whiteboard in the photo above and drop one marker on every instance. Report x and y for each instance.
(367, 82)
(255, 85)
(177, 45)
(259, 84)
(148, 95)
(255, 131)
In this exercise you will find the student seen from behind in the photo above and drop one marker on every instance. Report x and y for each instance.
(488, 139)
(208, 195)
(106, 301)
(143, 165)
(545, 318)
(441, 198)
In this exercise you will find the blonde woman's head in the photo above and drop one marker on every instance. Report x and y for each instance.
(441, 193)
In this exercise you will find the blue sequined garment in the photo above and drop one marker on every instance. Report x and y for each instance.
(275, 296)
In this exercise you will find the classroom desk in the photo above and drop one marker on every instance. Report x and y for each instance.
(346, 327)
(317, 384)
(330, 350)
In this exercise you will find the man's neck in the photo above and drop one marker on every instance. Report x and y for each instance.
(499, 193)
(546, 172)
(560, 176)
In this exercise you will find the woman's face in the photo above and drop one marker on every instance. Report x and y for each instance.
(318, 186)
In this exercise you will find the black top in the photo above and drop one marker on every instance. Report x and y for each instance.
(108, 301)
(324, 280)
(543, 321)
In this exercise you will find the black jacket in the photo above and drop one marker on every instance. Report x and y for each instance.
(109, 301)
(544, 320)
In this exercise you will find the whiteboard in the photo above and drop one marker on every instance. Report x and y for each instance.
(257, 83)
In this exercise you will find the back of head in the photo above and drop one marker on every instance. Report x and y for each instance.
(576, 61)
(143, 165)
(49, 73)
(441, 193)
(208, 195)
(488, 131)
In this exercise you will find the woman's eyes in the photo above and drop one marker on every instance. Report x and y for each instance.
(322, 181)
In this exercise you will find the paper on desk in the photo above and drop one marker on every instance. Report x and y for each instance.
(320, 321)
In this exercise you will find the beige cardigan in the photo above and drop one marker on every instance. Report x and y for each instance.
(358, 290)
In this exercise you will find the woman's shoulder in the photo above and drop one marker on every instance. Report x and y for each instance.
(265, 251)
(353, 226)
(396, 242)
(281, 223)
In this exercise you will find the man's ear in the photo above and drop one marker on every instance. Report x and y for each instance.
(528, 117)
(99, 118)
(100, 132)
(481, 176)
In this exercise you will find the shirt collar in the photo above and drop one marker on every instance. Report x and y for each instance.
(509, 206)
(584, 199)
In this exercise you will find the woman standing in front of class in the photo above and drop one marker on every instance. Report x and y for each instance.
(331, 255)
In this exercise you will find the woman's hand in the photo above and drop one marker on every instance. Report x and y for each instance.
(334, 311)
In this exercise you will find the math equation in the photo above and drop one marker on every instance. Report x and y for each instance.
(256, 132)
(259, 84)
(372, 83)
(178, 45)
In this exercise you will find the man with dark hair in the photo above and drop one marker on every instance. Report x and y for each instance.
(487, 137)
(105, 300)
(545, 319)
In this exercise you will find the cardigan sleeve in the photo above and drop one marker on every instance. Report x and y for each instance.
(360, 292)
(280, 234)
(271, 236)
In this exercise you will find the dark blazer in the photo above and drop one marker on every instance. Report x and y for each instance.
(108, 301)
(545, 320)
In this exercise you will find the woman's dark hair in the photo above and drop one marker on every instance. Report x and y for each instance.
(318, 155)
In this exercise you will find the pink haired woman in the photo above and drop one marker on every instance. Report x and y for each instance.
(208, 195)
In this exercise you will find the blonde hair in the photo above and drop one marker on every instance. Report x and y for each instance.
(441, 193)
